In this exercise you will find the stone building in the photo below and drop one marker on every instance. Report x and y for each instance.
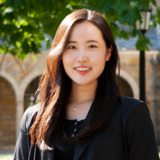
(19, 80)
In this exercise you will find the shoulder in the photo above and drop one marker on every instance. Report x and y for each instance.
(28, 117)
(128, 101)
(131, 107)
(128, 104)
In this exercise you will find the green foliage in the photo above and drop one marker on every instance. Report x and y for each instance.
(23, 23)
(142, 43)
(127, 12)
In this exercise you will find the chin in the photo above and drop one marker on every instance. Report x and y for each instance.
(85, 82)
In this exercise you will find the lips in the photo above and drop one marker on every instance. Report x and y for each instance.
(82, 69)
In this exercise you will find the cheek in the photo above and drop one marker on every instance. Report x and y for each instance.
(99, 58)
(66, 59)
(99, 62)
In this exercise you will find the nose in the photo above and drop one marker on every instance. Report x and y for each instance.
(82, 57)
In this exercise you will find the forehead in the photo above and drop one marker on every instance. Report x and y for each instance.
(85, 30)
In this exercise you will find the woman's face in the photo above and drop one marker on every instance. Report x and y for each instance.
(86, 53)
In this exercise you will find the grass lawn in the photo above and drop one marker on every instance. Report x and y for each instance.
(6, 157)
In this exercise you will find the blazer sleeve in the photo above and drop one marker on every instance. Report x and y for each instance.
(140, 135)
(23, 142)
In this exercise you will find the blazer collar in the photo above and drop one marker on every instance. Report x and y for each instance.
(80, 147)
(50, 155)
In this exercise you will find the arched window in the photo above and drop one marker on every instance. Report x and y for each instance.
(125, 88)
(29, 97)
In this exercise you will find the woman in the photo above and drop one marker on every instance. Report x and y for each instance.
(81, 115)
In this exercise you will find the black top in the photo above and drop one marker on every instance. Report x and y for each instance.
(72, 128)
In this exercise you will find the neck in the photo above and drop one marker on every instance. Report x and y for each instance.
(81, 93)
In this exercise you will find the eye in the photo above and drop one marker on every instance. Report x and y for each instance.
(71, 47)
(92, 46)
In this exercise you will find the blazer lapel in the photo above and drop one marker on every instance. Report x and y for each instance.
(80, 147)
(51, 152)
(48, 154)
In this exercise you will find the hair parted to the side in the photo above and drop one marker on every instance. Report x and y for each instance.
(55, 86)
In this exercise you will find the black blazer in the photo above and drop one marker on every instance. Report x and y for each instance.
(129, 136)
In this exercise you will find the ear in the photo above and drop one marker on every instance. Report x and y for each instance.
(109, 51)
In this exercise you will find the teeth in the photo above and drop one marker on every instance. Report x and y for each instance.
(82, 69)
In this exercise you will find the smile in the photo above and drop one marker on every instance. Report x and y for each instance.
(82, 69)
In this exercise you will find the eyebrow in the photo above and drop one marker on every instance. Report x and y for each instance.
(86, 41)
(92, 41)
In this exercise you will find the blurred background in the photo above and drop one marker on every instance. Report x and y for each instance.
(27, 28)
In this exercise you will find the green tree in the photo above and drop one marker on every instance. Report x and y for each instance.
(24, 23)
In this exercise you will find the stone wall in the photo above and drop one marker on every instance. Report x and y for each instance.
(17, 68)
(7, 116)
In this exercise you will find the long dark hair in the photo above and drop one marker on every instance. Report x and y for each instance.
(55, 86)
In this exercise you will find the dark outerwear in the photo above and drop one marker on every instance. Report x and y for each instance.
(129, 136)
